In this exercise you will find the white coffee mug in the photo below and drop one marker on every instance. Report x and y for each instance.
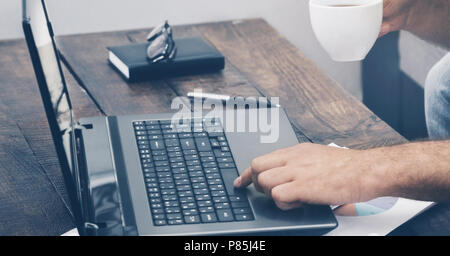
(346, 29)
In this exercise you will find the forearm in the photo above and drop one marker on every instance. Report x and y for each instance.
(430, 20)
(417, 171)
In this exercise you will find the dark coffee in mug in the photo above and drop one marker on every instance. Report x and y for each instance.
(344, 5)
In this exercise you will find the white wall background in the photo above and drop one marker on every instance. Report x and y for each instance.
(289, 17)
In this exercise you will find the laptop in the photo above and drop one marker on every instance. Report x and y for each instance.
(153, 174)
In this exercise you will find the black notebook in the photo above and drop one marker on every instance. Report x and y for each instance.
(194, 56)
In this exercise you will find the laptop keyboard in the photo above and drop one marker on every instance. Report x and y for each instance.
(189, 173)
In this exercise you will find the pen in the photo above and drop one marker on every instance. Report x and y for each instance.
(258, 101)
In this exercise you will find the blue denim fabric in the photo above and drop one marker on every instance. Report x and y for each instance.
(437, 100)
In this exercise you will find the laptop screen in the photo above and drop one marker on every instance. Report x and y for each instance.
(50, 63)
(47, 67)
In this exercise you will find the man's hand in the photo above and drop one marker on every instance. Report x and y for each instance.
(428, 19)
(397, 14)
(310, 173)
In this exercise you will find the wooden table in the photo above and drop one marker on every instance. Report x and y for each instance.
(258, 62)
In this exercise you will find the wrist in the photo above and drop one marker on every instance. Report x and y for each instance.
(381, 171)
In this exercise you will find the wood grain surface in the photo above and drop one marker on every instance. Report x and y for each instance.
(259, 61)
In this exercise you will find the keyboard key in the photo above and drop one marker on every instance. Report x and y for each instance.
(184, 135)
(164, 174)
(192, 162)
(176, 159)
(222, 206)
(187, 199)
(220, 199)
(214, 181)
(160, 222)
(237, 199)
(179, 176)
(169, 197)
(209, 217)
(158, 153)
(182, 182)
(152, 127)
(211, 170)
(213, 176)
(174, 216)
(157, 144)
(173, 149)
(210, 164)
(218, 193)
(175, 222)
(203, 197)
(159, 216)
(200, 134)
(154, 132)
(203, 144)
(155, 200)
(161, 163)
(189, 212)
(244, 217)
(199, 185)
(168, 192)
(183, 187)
(166, 186)
(190, 152)
(206, 209)
(175, 154)
(227, 165)
(198, 179)
(204, 203)
(215, 143)
(187, 144)
(156, 206)
(170, 136)
(157, 211)
(191, 157)
(224, 160)
(172, 142)
(206, 153)
(201, 191)
(194, 168)
(242, 210)
(177, 165)
(170, 210)
(162, 169)
(185, 193)
(196, 174)
(186, 206)
(225, 215)
(192, 219)
(171, 204)
(208, 159)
